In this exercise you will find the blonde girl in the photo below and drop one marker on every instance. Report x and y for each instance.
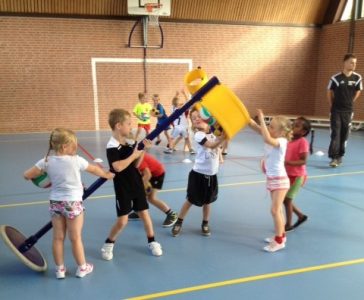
(63, 167)
(275, 137)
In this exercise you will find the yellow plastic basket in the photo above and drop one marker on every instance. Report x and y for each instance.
(221, 102)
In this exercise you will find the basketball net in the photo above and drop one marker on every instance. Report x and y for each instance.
(153, 9)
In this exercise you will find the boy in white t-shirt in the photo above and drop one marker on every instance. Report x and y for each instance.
(202, 186)
(180, 127)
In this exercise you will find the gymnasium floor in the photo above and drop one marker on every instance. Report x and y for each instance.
(324, 258)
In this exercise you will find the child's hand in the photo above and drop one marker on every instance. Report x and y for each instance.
(260, 115)
(147, 144)
(110, 175)
(136, 152)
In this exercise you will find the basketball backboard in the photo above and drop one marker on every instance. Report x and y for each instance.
(149, 7)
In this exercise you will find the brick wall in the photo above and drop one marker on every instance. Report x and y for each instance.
(46, 74)
(333, 46)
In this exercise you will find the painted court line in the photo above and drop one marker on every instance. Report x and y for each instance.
(184, 188)
(249, 279)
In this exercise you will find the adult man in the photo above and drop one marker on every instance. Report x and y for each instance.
(343, 90)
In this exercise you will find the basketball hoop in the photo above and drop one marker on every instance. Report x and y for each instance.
(153, 20)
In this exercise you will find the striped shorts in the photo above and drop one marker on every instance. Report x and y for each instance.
(277, 183)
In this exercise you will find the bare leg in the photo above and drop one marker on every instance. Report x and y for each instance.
(74, 228)
(206, 209)
(184, 210)
(59, 233)
(288, 205)
(276, 211)
(118, 227)
(147, 221)
(152, 198)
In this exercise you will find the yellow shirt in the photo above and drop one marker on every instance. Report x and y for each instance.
(142, 110)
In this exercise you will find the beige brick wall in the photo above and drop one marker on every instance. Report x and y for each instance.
(46, 74)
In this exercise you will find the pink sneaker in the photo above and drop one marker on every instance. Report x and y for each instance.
(82, 272)
(273, 246)
(270, 239)
(60, 273)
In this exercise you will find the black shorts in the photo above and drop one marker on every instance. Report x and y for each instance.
(157, 182)
(201, 189)
(125, 206)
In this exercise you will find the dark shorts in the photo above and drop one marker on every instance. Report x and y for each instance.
(125, 206)
(157, 182)
(158, 125)
(201, 189)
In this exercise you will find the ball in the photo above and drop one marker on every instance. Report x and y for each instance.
(206, 116)
(154, 112)
(42, 181)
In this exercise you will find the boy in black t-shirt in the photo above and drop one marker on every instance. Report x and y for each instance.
(124, 159)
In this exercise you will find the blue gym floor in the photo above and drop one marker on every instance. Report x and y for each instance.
(323, 259)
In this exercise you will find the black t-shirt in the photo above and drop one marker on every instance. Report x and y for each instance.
(128, 183)
(344, 89)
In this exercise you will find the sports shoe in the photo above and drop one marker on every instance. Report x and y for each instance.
(60, 272)
(107, 251)
(158, 142)
(168, 151)
(171, 219)
(155, 248)
(339, 161)
(133, 216)
(271, 239)
(273, 246)
(205, 230)
(300, 221)
(334, 163)
(288, 228)
(176, 230)
(82, 272)
(192, 151)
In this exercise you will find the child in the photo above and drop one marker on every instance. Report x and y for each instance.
(124, 159)
(161, 116)
(153, 176)
(180, 127)
(66, 207)
(296, 157)
(202, 186)
(276, 138)
(142, 112)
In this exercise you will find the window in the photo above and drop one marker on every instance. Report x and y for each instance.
(348, 7)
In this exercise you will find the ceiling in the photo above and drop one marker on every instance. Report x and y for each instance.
(283, 12)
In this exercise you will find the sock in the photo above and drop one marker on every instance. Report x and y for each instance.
(82, 267)
(60, 267)
(278, 239)
(204, 222)
(108, 241)
(168, 211)
(151, 239)
(179, 221)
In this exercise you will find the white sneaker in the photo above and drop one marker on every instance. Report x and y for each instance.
(60, 272)
(271, 239)
(107, 251)
(274, 246)
(82, 272)
(168, 151)
(155, 248)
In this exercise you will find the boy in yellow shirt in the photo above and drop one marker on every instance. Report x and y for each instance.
(142, 112)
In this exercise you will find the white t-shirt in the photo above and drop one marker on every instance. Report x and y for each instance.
(181, 121)
(207, 159)
(64, 173)
(274, 158)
